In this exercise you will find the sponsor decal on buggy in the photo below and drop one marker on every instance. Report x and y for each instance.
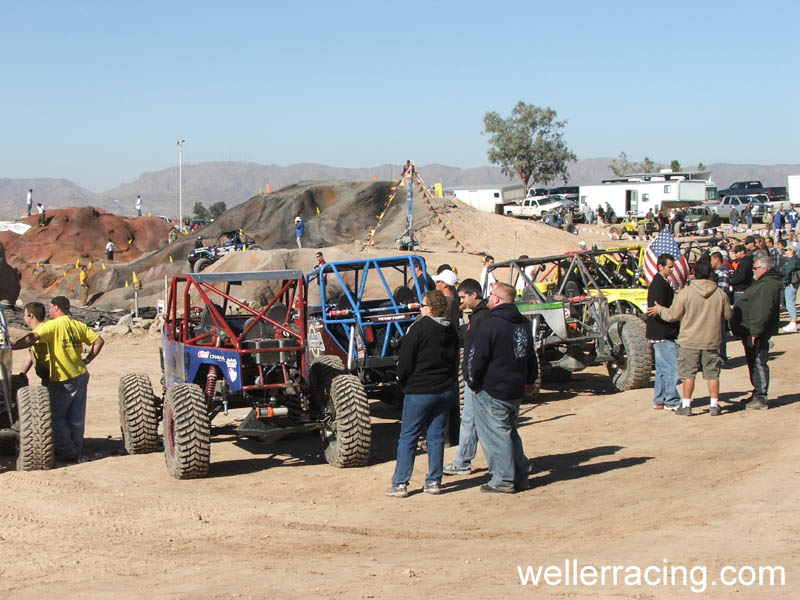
(202, 354)
(233, 374)
(316, 344)
(230, 362)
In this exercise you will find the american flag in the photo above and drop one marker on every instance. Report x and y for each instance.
(666, 244)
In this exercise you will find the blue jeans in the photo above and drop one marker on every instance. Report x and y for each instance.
(757, 357)
(790, 295)
(496, 422)
(749, 220)
(467, 435)
(423, 412)
(68, 408)
(665, 391)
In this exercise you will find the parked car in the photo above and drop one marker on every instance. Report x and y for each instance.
(733, 206)
(534, 207)
(748, 188)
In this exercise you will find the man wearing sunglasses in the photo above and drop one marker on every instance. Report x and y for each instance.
(756, 316)
(501, 365)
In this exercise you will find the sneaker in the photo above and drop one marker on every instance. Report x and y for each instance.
(671, 406)
(432, 488)
(714, 411)
(756, 404)
(658, 406)
(398, 491)
(790, 328)
(490, 489)
(452, 469)
(684, 411)
(522, 486)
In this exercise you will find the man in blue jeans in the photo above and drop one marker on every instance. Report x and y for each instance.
(501, 365)
(469, 293)
(663, 335)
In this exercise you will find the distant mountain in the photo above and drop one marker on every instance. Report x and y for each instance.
(236, 182)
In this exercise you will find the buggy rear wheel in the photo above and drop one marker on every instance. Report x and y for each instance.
(633, 360)
(36, 451)
(187, 432)
(138, 414)
(201, 264)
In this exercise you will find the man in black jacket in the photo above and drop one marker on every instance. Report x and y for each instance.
(470, 294)
(742, 277)
(756, 316)
(663, 335)
(501, 365)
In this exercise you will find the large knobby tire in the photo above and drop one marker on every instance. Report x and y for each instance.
(255, 247)
(36, 450)
(201, 264)
(187, 432)
(632, 366)
(346, 433)
(138, 414)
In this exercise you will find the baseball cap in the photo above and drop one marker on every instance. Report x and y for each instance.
(447, 277)
(296, 219)
(718, 249)
(749, 240)
(62, 303)
(739, 248)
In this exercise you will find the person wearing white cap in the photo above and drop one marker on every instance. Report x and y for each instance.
(299, 229)
(446, 283)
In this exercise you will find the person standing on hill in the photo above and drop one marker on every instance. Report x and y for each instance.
(299, 230)
(84, 286)
(42, 214)
(138, 206)
(30, 201)
(110, 247)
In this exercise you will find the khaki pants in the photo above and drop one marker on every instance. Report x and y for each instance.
(84, 294)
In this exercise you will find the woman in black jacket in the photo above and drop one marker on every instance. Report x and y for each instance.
(427, 370)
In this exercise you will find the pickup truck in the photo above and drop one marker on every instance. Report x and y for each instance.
(735, 204)
(534, 207)
(741, 188)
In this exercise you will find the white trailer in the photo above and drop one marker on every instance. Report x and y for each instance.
(489, 198)
(638, 197)
(793, 189)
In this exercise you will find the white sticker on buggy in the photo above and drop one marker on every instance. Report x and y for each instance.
(314, 339)
(233, 375)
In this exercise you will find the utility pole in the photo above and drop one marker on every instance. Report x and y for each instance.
(180, 185)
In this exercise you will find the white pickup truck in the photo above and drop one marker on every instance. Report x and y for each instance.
(533, 207)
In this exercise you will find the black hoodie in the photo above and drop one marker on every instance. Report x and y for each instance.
(501, 358)
(428, 361)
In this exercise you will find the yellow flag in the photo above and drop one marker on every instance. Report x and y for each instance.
(260, 192)
(135, 279)
(170, 260)
(90, 265)
(437, 190)
(78, 263)
(318, 210)
(65, 273)
(104, 266)
(126, 283)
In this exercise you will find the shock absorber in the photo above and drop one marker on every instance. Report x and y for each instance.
(211, 383)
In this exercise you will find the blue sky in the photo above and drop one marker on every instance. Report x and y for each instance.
(99, 92)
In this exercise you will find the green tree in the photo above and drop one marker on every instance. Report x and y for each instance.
(647, 165)
(675, 165)
(701, 167)
(529, 144)
(199, 211)
(620, 166)
(216, 209)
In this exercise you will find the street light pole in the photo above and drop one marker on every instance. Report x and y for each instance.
(180, 185)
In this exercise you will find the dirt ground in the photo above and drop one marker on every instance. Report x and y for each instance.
(614, 483)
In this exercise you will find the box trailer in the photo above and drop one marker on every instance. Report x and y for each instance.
(793, 189)
(639, 197)
(489, 198)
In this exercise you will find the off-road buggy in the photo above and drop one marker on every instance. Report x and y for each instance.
(25, 422)
(572, 325)
(365, 308)
(220, 353)
(633, 226)
(228, 241)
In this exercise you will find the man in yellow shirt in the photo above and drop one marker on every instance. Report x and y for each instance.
(69, 378)
(84, 286)
(33, 316)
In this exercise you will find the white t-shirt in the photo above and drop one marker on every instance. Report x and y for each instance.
(139, 202)
(30, 198)
(40, 207)
(486, 281)
(110, 247)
